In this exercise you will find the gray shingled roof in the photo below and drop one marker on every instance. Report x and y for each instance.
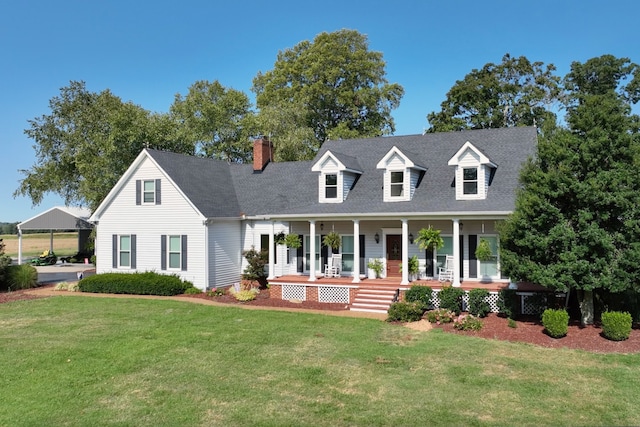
(291, 188)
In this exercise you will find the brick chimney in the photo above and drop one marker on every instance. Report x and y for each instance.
(261, 154)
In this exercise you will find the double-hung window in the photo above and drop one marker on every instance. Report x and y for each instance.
(397, 184)
(175, 252)
(124, 251)
(331, 186)
(470, 181)
(149, 191)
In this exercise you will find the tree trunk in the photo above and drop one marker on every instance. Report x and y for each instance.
(586, 307)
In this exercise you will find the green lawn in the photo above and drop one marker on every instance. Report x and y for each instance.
(80, 361)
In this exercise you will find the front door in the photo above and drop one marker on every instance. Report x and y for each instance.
(394, 255)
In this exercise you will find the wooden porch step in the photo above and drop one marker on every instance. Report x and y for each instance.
(373, 300)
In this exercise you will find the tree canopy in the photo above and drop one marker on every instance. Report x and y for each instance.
(515, 92)
(337, 85)
(87, 142)
(576, 224)
(217, 121)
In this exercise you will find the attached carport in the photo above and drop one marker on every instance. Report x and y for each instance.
(58, 218)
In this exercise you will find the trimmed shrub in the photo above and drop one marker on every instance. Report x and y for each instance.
(616, 325)
(508, 303)
(451, 299)
(440, 315)
(66, 286)
(402, 311)
(555, 322)
(147, 283)
(467, 322)
(192, 291)
(478, 304)
(23, 276)
(417, 293)
(244, 294)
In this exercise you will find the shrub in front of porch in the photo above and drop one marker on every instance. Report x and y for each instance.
(256, 263)
(403, 311)
(478, 304)
(451, 299)
(508, 303)
(419, 293)
(555, 322)
(616, 325)
(440, 315)
(147, 283)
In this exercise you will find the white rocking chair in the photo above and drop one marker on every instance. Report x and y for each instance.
(445, 273)
(333, 266)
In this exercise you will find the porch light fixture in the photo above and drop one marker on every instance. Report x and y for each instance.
(321, 226)
(377, 237)
(461, 226)
(411, 238)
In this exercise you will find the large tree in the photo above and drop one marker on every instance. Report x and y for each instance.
(515, 92)
(336, 85)
(577, 219)
(87, 142)
(217, 120)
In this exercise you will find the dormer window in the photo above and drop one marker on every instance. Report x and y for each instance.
(470, 181)
(397, 184)
(401, 175)
(149, 192)
(337, 175)
(331, 186)
(473, 174)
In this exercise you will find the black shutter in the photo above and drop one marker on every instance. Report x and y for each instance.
(428, 255)
(158, 191)
(133, 251)
(163, 252)
(184, 252)
(300, 255)
(114, 250)
(473, 261)
(461, 261)
(138, 192)
(324, 254)
(363, 270)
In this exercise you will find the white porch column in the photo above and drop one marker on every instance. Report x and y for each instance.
(405, 252)
(312, 251)
(356, 251)
(272, 249)
(19, 246)
(50, 241)
(456, 253)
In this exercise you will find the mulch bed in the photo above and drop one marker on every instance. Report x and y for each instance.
(494, 327)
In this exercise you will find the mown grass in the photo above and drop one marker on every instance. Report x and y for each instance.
(80, 361)
(64, 244)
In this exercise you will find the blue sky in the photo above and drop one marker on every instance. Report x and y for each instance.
(146, 52)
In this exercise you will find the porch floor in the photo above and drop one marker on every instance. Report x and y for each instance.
(394, 283)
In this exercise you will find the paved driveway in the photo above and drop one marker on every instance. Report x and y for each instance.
(63, 272)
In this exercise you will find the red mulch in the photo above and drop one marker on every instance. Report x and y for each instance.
(494, 327)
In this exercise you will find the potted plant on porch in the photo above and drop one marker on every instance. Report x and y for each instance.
(376, 266)
(414, 268)
(483, 251)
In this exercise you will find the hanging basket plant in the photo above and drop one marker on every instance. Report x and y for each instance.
(332, 240)
(279, 238)
(483, 251)
(429, 238)
(292, 241)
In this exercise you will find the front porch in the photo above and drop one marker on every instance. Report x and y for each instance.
(376, 295)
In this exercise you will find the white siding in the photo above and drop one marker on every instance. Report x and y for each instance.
(225, 253)
(347, 182)
(148, 223)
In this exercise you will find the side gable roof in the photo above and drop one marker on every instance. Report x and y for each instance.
(59, 218)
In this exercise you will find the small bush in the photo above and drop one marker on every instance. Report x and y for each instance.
(244, 294)
(402, 311)
(555, 322)
(66, 286)
(215, 292)
(478, 304)
(148, 283)
(23, 276)
(508, 303)
(192, 291)
(451, 298)
(616, 325)
(512, 323)
(417, 293)
(467, 322)
(440, 315)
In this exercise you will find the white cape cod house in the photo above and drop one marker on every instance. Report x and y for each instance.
(194, 217)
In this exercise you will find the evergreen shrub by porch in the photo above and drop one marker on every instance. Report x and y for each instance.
(422, 294)
(451, 298)
(616, 325)
(555, 322)
(147, 283)
(478, 304)
(403, 311)
(508, 303)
